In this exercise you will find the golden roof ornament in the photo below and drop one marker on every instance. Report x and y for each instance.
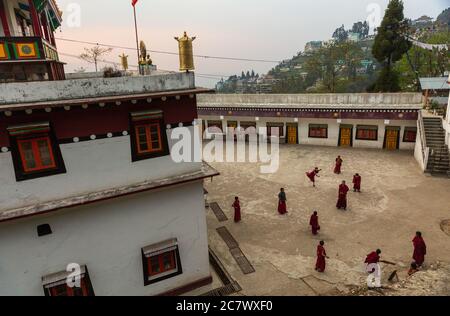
(144, 58)
(124, 61)
(186, 52)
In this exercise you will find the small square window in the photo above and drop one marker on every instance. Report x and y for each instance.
(148, 135)
(161, 261)
(56, 284)
(35, 151)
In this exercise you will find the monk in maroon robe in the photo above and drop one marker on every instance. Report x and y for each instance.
(321, 255)
(312, 175)
(342, 198)
(337, 168)
(357, 183)
(237, 210)
(282, 202)
(420, 249)
(373, 257)
(314, 222)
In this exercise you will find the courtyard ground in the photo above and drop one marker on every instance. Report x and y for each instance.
(397, 199)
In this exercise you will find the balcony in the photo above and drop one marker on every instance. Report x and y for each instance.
(30, 48)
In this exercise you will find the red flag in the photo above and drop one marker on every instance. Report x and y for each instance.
(133, 2)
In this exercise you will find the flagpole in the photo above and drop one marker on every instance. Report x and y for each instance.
(136, 29)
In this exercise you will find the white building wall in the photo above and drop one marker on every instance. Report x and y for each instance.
(108, 237)
(333, 129)
(91, 166)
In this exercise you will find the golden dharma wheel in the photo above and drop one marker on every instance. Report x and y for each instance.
(186, 52)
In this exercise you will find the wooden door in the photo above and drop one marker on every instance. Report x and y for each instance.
(292, 134)
(391, 139)
(346, 137)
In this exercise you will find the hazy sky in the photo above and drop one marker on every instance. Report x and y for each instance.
(256, 29)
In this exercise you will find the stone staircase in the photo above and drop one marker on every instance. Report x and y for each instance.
(439, 160)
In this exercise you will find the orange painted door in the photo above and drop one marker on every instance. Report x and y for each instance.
(346, 137)
(391, 139)
(292, 134)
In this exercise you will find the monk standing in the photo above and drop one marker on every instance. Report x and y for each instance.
(237, 210)
(282, 202)
(373, 269)
(420, 249)
(342, 198)
(357, 183)
(312, 175)
(314, 222)
(337, 168)
(321, 255)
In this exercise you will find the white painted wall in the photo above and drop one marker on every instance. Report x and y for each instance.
(91, 166)
(333, 129)
(108, 237)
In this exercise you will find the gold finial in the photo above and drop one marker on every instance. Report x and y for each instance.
(124, 61)
(144, 58)
(186, 52)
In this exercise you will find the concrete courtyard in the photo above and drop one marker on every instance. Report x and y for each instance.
(397, 199)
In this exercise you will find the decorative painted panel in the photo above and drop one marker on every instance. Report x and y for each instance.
(26, 50)
(4, 52)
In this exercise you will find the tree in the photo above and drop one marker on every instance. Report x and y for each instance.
(253, 74)
(242, 75)
(247, 76)
(340, 34)
(390, 45)
(93, 55)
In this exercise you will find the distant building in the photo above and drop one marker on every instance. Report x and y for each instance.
(354, 37)
(313, 46)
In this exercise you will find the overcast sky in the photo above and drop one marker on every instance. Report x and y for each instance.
(256, 29)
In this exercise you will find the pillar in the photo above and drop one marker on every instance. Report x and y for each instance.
(35, 19)
(4, 19)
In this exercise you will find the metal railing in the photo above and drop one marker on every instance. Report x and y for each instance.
(426, 152)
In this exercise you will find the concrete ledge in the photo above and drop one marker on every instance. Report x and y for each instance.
(188, 287)
(46, 207)
(28, 92)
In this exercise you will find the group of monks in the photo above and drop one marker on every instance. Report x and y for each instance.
(373, 257)
(343, 188)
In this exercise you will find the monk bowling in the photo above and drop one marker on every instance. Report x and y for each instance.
(313, 174)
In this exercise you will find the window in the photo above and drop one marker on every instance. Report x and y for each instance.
(36, 154)
(409, 135)
(367, 132)
(35, 151)
(56, 284)
(161, 261)
(148, 136)
(318, 131)
(278, 129)
(215, 127)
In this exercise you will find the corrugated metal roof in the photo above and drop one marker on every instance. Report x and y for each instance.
(435, 83)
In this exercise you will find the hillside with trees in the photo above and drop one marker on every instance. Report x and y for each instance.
(355, 61)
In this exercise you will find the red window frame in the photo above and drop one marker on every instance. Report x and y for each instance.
(318, 132)
(160, 262)
(410, 136)
(366, 134)
(36, 154)
(149, 140)
(64, 290)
